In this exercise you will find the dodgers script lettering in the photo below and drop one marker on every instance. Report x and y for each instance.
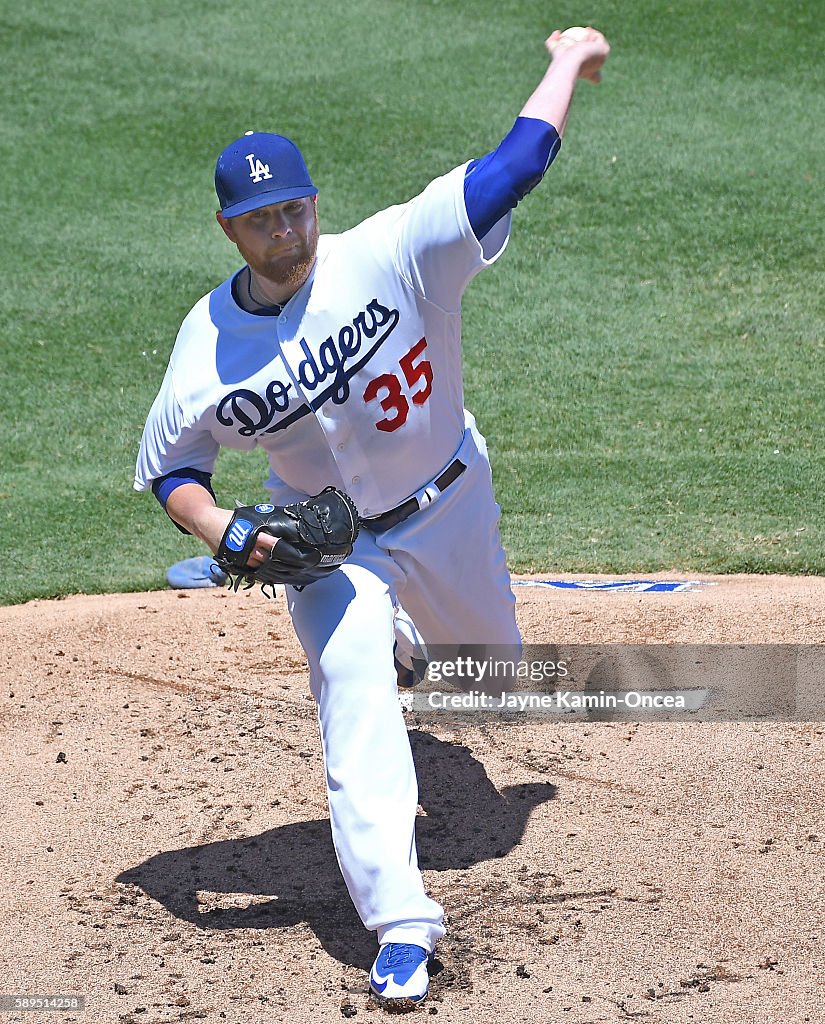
(322, 375)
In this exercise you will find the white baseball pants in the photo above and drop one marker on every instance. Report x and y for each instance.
(446, 565)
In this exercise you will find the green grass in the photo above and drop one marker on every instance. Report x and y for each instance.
(646, 359)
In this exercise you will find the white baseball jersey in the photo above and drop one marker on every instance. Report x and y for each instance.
(357, 383)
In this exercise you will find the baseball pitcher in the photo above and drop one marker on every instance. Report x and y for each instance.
(340, 355)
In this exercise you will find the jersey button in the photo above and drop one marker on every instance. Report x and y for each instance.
(356, 479)
(341, 446)
(282, 318)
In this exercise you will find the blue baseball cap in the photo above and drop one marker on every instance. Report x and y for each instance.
(259, 169)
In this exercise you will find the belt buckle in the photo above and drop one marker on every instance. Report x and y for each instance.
(427, 496)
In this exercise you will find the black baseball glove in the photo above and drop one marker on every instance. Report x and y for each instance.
(314, 537)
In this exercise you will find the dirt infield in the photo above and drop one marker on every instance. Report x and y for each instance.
(166, 850)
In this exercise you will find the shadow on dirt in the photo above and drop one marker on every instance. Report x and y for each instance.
(289, 874)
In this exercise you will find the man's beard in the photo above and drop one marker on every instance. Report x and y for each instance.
(294, 272)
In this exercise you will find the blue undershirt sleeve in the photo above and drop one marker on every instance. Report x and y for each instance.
(497, 182)
(164, 485)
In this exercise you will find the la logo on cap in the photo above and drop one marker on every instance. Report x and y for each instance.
(258, 171)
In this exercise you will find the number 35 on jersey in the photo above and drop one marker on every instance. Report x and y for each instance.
(393, 392)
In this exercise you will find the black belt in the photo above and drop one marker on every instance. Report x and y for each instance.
(386, 521)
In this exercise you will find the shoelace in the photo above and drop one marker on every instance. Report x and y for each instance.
(399, 953)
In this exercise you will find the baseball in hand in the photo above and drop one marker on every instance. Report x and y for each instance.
(577, 34)
(575, 37)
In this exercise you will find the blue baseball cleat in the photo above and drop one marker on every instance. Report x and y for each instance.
(399, 977)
